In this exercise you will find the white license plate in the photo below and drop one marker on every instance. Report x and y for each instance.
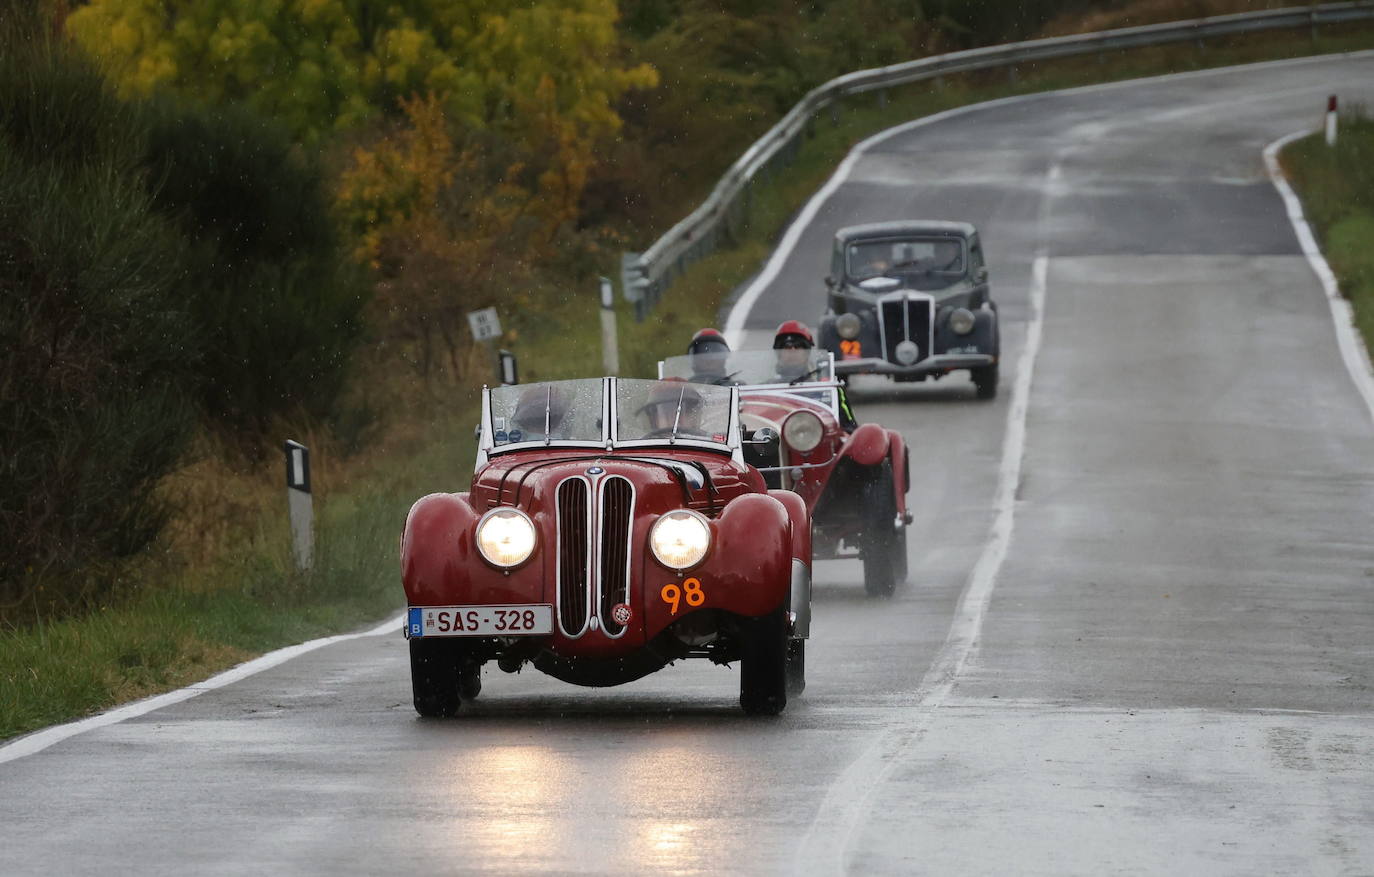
(517, 620)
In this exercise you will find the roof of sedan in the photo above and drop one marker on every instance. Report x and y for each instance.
(904, 226)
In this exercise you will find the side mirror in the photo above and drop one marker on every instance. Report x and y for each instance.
(830, 281)
(477, 433)
(981, 275)
(765, 436)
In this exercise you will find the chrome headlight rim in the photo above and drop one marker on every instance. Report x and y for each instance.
(961, 321)
(799, 420)
(848, 326)
(505, 511)
(681, 514)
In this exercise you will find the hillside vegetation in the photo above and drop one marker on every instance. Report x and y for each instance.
(223, 224)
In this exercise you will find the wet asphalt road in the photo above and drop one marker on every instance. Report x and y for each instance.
(1165, 665)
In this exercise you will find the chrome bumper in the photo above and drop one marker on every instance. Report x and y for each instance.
(929, 365)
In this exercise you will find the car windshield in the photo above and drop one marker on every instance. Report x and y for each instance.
(747, 367)
(561, 411)
(940, 256)
(671, 410)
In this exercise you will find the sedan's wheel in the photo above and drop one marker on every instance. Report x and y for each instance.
(883, 546)
(434, 666)
(796, 667)
(763, 666)
(469, 680)
(985, 381)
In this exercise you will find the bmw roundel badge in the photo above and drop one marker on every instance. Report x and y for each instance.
(596, 470)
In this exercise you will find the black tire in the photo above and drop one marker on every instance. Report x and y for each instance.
(985, 381)
(763, 666)
(883, 547)
(434, 671)
(469, 680)
(796, 667)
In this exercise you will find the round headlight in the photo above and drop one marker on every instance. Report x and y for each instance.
(505, 536)
(848, 326)
(961, 321)
(680, 539)
(907, 352)
(803, 431)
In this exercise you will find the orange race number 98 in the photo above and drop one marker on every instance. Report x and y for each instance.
(690, 591)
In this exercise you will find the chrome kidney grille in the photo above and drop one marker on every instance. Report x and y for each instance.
(574, 555)
(617, 517)
(606, 525)
(906, 317)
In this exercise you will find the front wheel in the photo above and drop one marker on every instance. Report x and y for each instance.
(763, 666)
(985, 381)
(883, 547)
(434, 677)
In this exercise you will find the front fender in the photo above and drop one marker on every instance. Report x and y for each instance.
(867, 445)
(440, 564)
(748, 571)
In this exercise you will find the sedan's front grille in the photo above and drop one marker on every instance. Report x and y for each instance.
(617, 517)
(904, 318)
(574, 550)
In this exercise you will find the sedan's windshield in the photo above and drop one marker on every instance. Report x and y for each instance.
(941, 256)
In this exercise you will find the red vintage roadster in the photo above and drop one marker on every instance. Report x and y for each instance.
(612, 526)
(854, 484)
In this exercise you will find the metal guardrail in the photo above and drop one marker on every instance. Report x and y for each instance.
(645, 276)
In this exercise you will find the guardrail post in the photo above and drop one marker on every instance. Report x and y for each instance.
(882, 98)
(300, 504)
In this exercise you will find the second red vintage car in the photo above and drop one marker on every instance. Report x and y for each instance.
(612, 527)
(854, 484)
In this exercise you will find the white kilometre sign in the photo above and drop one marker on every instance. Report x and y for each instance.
(484, 324)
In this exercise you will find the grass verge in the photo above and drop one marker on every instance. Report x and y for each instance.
(1336, 185)
(191, 618)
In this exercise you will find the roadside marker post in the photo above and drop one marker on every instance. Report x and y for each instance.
(509, 373)
(301, 504)
(610, 349)
(1331, 120)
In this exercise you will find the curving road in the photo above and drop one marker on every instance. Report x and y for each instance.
(1139, 635)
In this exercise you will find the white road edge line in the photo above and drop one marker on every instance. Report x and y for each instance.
(739, 312)
(840, 814)
(40, 740)
(1352, 346)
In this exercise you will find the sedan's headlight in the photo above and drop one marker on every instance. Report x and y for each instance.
(961, 321)
(803, 431)
(506, 537)
(680, 539)
(848, 326)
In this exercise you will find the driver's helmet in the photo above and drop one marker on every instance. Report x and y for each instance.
(660, 409)
(529, 415)
(793, 342)
(709, 352)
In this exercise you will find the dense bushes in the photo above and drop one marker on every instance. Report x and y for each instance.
(157, 264)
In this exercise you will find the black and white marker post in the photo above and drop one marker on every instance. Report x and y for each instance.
(300, 503)
(1331, 120)
(610, 349)
(510, 375)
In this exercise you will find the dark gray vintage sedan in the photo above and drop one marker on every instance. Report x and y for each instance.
(910, 299)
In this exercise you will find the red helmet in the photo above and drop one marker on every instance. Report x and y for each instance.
(708, 341)
(793, 333)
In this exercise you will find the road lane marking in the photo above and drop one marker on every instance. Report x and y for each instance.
(40, 740)
(841, 812)
(1353, 350)
(739, 311)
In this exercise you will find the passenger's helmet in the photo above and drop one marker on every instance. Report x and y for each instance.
(662, 404)
(708, 341)
(793, 333)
